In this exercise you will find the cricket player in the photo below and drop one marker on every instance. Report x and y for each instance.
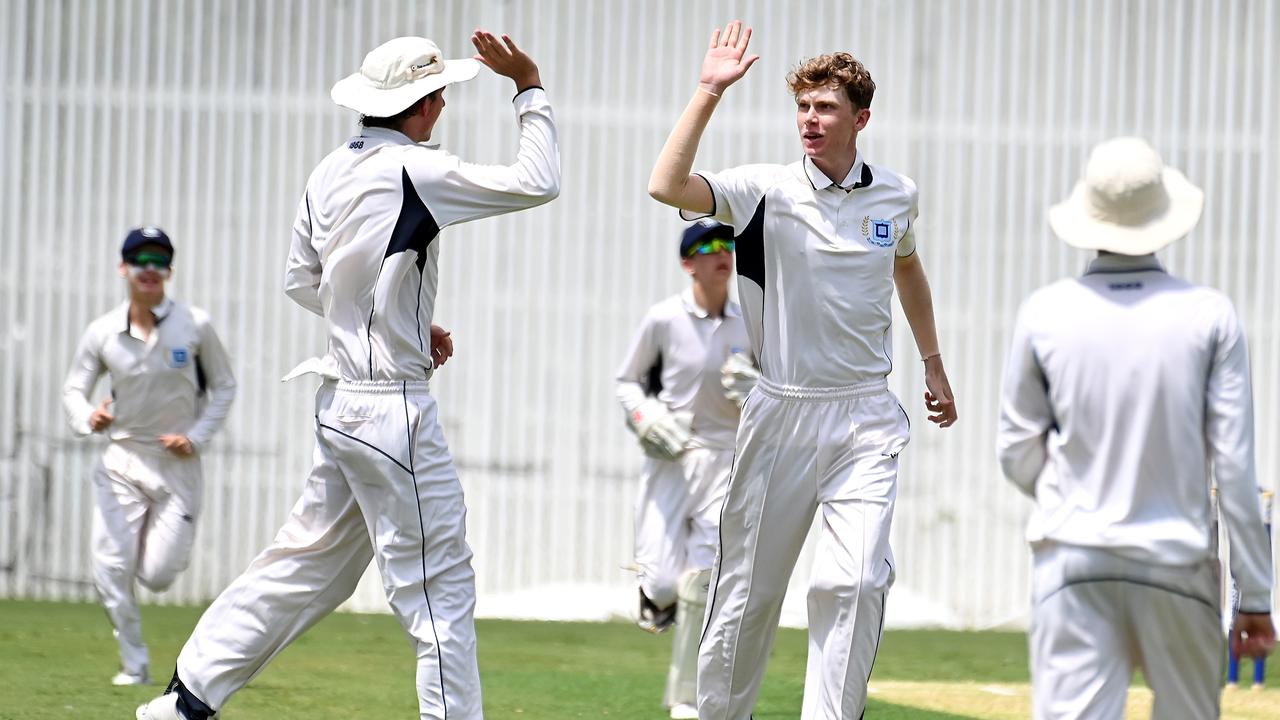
(682, 385)
(366, 245)
(821, 245)
(1126, 391)
(171, 388)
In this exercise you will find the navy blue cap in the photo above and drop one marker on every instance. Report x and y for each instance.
(702, 231)
(139, 238)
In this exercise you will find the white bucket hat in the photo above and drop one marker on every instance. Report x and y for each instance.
(1128, 202)
(396, 74)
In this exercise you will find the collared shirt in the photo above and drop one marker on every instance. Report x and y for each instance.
(364, 252)
(177, 380)
(1123, 389)
(677, 354)
(815, 266)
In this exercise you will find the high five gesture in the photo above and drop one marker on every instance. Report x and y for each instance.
(726, 60)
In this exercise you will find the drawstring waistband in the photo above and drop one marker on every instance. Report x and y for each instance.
(383, 387)
(819, 394)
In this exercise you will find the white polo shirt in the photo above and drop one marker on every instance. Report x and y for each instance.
(1129, 388)
(364, 252)
(677, 354)
(157, 383)
(815, 266)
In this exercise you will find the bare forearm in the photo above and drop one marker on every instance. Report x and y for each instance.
(669, 181)
(917, 305)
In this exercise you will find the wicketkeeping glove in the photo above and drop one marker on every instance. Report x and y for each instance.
(663, 434)
(738, 375)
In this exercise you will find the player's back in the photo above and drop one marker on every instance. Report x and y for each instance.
(375, 237)
(364, 251)
(1126, 358)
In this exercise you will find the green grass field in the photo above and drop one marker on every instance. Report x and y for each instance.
(56, 660)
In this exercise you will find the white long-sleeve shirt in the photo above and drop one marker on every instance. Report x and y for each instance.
(365, 253)
(1126, 391)
(676, 354)
(156, 382)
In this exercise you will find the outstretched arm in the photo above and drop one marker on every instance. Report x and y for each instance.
(725, 62)
(917, 305)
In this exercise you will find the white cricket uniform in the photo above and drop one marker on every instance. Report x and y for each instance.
(676, 355)
(1125, 391)
(821, 431)
(364, 255)
(176, 381)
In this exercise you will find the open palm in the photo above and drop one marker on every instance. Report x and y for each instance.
(726, 59)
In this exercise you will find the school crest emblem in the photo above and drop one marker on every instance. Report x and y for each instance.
(880, 233)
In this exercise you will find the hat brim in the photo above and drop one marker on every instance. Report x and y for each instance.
(355, 93)
(1074, 225)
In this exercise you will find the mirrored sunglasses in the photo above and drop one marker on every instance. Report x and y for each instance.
(711, 247)
(150, 260)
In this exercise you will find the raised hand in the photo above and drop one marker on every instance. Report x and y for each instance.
(724, 62)
(505, 59)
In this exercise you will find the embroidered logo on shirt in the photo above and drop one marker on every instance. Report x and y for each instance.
(179, 357)
(881, 233)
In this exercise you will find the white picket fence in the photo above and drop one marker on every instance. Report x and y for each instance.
(205, 117)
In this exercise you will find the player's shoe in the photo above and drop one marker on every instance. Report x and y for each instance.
(654, 619)
(124, 678)
(684, 711)
(164, 707)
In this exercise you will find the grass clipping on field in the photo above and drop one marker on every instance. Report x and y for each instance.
(998, 701)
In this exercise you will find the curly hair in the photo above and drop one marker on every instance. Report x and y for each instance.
(834, 70)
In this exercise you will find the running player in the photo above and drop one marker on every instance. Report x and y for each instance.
(365, 256)
(672, 386)
(171, 388)
(821, 245)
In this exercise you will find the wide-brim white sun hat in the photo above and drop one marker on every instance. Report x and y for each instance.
(396, 74)
(1127, 202)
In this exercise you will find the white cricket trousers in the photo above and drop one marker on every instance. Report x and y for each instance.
(146, 504)
(1097, 616)
(801, 451)
(383, 485)
(677, 518)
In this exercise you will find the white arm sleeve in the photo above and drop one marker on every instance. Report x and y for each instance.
(1229, 432)
(736, 192)
(633, 374)
(302, 269)
(220, 383)
(1026, 415)
(907, 243)
(86, 368)
(458, 191)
